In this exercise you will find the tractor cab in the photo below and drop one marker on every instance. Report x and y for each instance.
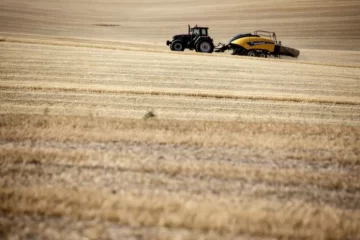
(198, 31)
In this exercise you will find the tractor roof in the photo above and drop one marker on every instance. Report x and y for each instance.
(196, 26)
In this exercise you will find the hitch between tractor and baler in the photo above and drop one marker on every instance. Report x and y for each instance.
(222, 47)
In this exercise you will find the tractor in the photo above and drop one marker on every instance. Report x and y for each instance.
(197, 39)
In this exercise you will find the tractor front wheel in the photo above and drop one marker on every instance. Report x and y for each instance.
(205, 47)
(177, 46)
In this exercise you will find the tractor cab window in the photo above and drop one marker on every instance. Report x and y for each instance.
(196, 31)
(204, 32)
(199, 31)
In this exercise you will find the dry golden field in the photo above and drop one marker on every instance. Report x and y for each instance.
(239, 148)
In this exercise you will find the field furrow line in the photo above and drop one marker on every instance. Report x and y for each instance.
(126, 80)
(276, 174)
(114, 179)
(162, 210)
(150, 50)
(165, 111)
(248, 79)
(111, 99)
(184, 93)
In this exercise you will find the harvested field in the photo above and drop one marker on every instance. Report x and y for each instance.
(106, 134)
(185, 177)
(127, 84)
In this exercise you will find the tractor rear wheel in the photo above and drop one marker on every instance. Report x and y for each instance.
(205, 47)
(177, 46)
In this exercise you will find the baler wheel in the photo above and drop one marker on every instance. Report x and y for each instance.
(263, 54)
(252, 54)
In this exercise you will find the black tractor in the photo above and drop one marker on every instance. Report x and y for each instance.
(197, 39)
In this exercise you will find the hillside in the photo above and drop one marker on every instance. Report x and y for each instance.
(324, 24)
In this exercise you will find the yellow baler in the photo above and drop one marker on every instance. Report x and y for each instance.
(259, 44)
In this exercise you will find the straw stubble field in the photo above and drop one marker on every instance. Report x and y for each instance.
(240, 148)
